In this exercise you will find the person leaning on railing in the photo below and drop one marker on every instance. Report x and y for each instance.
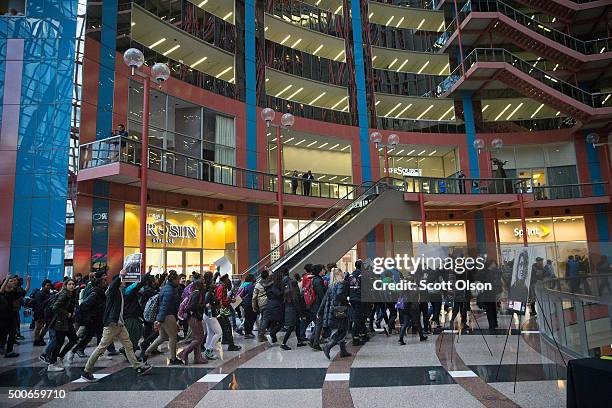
(117, 134)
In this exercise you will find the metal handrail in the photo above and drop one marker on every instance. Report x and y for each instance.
(387, 181)
(253, 175)
(594, 100)
(459, 185)
(585, 47)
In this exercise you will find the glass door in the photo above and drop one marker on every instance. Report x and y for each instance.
(174, 260)
(193, 262)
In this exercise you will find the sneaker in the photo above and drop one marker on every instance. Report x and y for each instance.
(20, 337)
(89, 377)
(43, 358)
(285, 347)
(423, 338)
(234, 347)
(70, 357)
(270, 340)
(401, 342)
(176, 361)
(326, 349)
(105, 356)
(81, 354)
(317, 347)
(240, 331)
(60, 362)
(143, 369)
(55, 368)
(301, 344)
(210, 355)
(12, 354)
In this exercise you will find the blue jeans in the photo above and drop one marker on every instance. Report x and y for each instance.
(51, 345)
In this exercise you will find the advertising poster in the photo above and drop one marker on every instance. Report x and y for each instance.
(131, 265)
(521, 277)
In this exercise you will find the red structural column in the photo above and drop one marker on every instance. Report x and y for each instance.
(608, 166)
(386, 162)
(423, 220)
(279, 188)
(523, 222)
(459, 37)
(497, 239)
(144, 167)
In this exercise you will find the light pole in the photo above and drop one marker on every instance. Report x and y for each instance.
(496, 144)
(287, 120)
(134, 58)
(392, 140)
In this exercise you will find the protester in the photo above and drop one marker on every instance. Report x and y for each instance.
(246, 292)
(295, 310)
(333, 312)
(259, 302)
(274, 306)
(63, 325)
(114, 328)
(225, 300)
(40, 298)
(195, 310)
(211, 314)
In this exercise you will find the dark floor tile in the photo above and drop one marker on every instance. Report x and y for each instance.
(158, 379)
(526, 372)
(397, 376)
(273, 379)
(38, 377)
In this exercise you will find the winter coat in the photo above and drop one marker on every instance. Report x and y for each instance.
(320, 289)
(355, 286)
(274, 307)
(131, 307)
(169, 301)
(259, 295)
(114, 302)
(196, 305)
(211, 304)
(63, 310)
(91, 310)
(40, 299)
(336, 296)
(295, 307)
(247, 295)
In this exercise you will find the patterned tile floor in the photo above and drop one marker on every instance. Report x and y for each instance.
(381, 373)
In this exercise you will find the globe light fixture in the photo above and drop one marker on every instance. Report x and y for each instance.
(287, 120)
(375, 137)
(497, 143)
(133, 58)
(592, 138)
(268, 115)
(479, 144)
(393, 139)
(160, 71)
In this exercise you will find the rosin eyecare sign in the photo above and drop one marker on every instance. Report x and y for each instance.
(164, 228)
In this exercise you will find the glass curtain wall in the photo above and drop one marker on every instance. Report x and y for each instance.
(547, 165)
(185, 131)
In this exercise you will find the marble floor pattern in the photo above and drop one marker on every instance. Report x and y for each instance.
(381, 374)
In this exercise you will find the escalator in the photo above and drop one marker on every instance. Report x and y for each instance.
(500, 69)
(344, 227)
(527, 33)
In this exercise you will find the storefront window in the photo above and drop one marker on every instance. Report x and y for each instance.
(189, 130)
(440, 232)
(552, 239)
(547, 165)
(419, 161)
(182, 240)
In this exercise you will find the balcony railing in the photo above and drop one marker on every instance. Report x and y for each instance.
(305, 65)
(309, 111)
(186, 16)
(456, 185)
(576, 313)
(406, 83)
(307, 16)
(423, 126)
(127, 150)
(585, 47)
(594, 100)
(598, 189)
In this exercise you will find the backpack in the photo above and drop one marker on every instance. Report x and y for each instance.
(30, 300)
(151, 309)
(309, 293)
(183, 313)
(187, 291)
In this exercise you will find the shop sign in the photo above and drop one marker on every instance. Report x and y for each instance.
(533, 232)
(404, 171)
(162, 231)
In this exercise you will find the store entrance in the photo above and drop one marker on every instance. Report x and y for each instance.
(184, 261)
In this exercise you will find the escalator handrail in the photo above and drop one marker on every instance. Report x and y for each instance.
(370, 185)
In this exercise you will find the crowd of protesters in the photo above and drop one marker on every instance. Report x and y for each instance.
(196, 318)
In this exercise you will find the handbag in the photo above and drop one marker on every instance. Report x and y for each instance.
(340, 312)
